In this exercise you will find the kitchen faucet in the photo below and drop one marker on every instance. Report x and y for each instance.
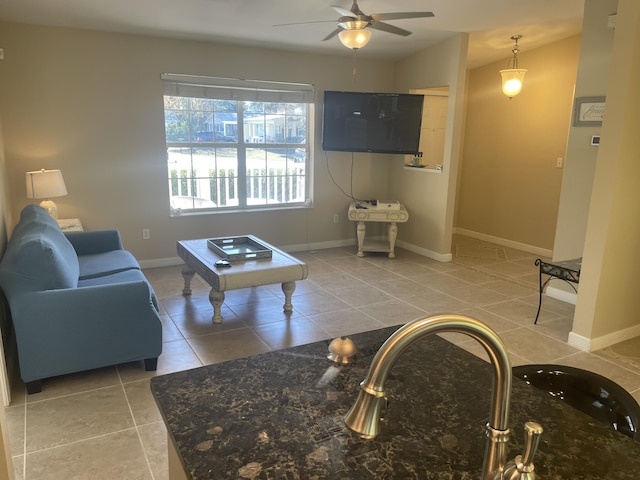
(364, 415)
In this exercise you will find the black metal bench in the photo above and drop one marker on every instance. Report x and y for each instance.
(567, 270)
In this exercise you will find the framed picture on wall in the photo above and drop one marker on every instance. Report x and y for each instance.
(588, 111)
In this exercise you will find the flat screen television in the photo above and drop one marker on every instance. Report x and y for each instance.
(372, 122)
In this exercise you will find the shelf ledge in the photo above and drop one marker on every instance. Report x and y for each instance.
(437, 169)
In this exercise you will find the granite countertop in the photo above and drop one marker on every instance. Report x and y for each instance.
(279, 416)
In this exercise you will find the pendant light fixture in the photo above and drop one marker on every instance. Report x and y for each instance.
(512, 77)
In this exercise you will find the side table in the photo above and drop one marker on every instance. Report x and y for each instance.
(70, 224)
(363, 212)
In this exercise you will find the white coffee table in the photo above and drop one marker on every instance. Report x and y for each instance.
(280, 268)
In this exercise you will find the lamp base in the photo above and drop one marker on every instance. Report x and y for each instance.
(50, 207)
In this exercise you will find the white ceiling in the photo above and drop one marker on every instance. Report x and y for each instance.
(490, 23)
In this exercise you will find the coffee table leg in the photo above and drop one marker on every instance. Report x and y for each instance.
(288, 288)
(216, 299)
(187, 274)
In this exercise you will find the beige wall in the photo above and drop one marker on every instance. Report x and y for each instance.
(430, 197)
(509, 181)
(90, 103)
(577, 181)
(608, 302)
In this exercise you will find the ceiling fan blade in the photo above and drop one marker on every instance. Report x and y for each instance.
(343, 11)
(332, 34)
(385, 27)
(379, 17)
(302, 23)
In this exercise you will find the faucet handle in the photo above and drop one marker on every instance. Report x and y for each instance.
(522, 467)
(532, 433)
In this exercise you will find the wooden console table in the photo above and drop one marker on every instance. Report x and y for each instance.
(567, 271)
(363, 212)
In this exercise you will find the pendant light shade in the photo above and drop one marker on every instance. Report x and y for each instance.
(512, 81)
(513, 77)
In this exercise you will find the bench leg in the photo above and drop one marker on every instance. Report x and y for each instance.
(539, 298)
(151, 364)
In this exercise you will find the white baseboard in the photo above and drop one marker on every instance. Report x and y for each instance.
(579, 342)
(592, 344)
(504, 242)
(563, 295)
(160, 262)
(173, 261)
(425, 252)
(304, 247)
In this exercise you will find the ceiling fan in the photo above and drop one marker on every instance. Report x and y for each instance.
(356, 19)
(353, 24)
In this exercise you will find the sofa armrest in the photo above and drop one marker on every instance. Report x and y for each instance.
(67, 307)
(97, 241)
(67, 330)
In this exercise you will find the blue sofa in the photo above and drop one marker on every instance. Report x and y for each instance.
(78, 301)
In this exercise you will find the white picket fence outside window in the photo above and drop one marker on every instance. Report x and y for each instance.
(189, 192)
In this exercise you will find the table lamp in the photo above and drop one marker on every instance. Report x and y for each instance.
(46, 184)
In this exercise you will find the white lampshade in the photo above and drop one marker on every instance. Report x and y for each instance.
(512, 79)
(354, 38)
(46, 184)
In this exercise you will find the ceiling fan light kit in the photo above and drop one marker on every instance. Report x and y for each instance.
(513, 77)
(354, 38)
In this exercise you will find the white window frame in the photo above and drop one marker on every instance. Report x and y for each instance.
(295, 177)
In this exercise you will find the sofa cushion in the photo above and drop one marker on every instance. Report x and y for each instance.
(119, 277)
(107, 263)
(38, 257)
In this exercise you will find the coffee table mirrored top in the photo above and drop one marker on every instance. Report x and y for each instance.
(199, 258)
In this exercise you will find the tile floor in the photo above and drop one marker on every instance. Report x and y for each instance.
(104, 424)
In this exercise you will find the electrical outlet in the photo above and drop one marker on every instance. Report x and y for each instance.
(146, 234)
(336, 218)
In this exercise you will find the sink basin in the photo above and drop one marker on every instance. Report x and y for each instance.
(593, 394)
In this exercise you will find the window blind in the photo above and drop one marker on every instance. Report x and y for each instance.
(196, 86)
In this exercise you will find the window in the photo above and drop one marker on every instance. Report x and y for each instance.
(236, 144)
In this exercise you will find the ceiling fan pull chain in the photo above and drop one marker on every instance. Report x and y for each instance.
(355, 70)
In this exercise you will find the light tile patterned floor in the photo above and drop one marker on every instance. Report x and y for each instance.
(104, 424)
